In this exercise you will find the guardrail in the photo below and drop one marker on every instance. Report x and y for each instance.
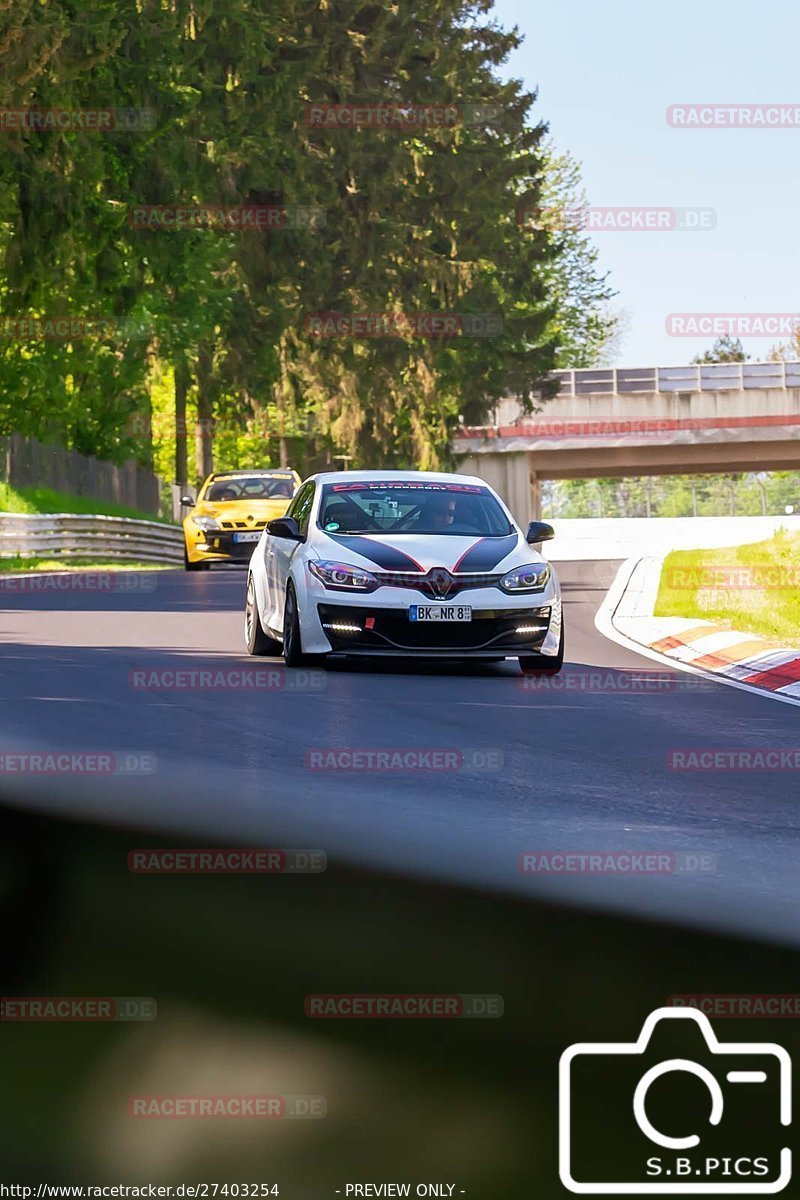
(701, 377)
(74, 535)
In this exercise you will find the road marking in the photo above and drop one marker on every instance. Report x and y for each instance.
(733, 654)
(784, 675)
(493, 704)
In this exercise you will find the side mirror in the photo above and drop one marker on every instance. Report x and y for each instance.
(187, 501)
(285, 527)
(539, 531)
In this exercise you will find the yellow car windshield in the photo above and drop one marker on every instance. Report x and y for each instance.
(251, 487)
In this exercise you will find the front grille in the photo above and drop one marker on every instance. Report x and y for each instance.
(489, 629)
(422, 583)
(243, 524)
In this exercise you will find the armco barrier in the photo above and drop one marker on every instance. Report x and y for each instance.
(73, 535)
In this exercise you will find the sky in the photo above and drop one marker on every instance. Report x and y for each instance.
(606, 75)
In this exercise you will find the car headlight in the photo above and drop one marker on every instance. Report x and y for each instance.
(533, 577)
(343, 576)
(206, 523)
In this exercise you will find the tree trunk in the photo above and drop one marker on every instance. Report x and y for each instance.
(281, 393)
(204, 432)
(181, 447)
(283, 442)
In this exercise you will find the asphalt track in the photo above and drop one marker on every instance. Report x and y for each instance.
(584, 758)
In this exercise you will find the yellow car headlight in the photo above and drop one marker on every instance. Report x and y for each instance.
(206, 523)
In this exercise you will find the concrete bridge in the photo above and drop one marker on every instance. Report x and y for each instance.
(613, 422)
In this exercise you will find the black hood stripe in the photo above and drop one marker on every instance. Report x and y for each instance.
(378, 552)
(486, 554)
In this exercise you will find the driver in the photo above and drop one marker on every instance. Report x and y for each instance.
(440, 511)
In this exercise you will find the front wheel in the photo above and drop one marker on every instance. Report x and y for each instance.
(188, 565)
(256, 641)
(542, 664)
(292, 646)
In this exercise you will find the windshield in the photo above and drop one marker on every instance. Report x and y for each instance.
(413, 507)
(252, 487)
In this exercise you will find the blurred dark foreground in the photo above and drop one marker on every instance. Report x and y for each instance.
(230, 961)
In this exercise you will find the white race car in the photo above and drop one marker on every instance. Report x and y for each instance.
(403, 563)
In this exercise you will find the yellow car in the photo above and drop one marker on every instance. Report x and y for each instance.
(230, 511)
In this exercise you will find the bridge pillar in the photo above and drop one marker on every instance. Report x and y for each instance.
(536, 496)
(508, 474)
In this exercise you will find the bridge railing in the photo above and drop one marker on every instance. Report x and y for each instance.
(700, 377)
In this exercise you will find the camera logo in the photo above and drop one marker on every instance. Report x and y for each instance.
(642, 1118)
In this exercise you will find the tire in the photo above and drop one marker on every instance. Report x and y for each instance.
(192, 566)
(292, 645)
(256, 641)
(542, 664)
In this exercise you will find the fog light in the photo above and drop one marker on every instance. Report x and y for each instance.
(339, 627)
(530, 628)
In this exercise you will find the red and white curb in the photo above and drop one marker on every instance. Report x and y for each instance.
(741, 660)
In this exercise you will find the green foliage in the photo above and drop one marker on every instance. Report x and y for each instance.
(584, 322)
(746, 495)
(725, 349)
(415, 221)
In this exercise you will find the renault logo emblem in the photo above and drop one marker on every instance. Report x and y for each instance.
(440, 583)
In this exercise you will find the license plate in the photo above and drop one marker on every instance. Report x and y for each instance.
(246, 537)
(440, 612)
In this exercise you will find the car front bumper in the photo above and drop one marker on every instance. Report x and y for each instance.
(378, 623)
(221, 547)
(491, 632)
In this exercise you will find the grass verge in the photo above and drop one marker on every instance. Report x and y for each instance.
(754, 588)
(8, 565)
(45, 500)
